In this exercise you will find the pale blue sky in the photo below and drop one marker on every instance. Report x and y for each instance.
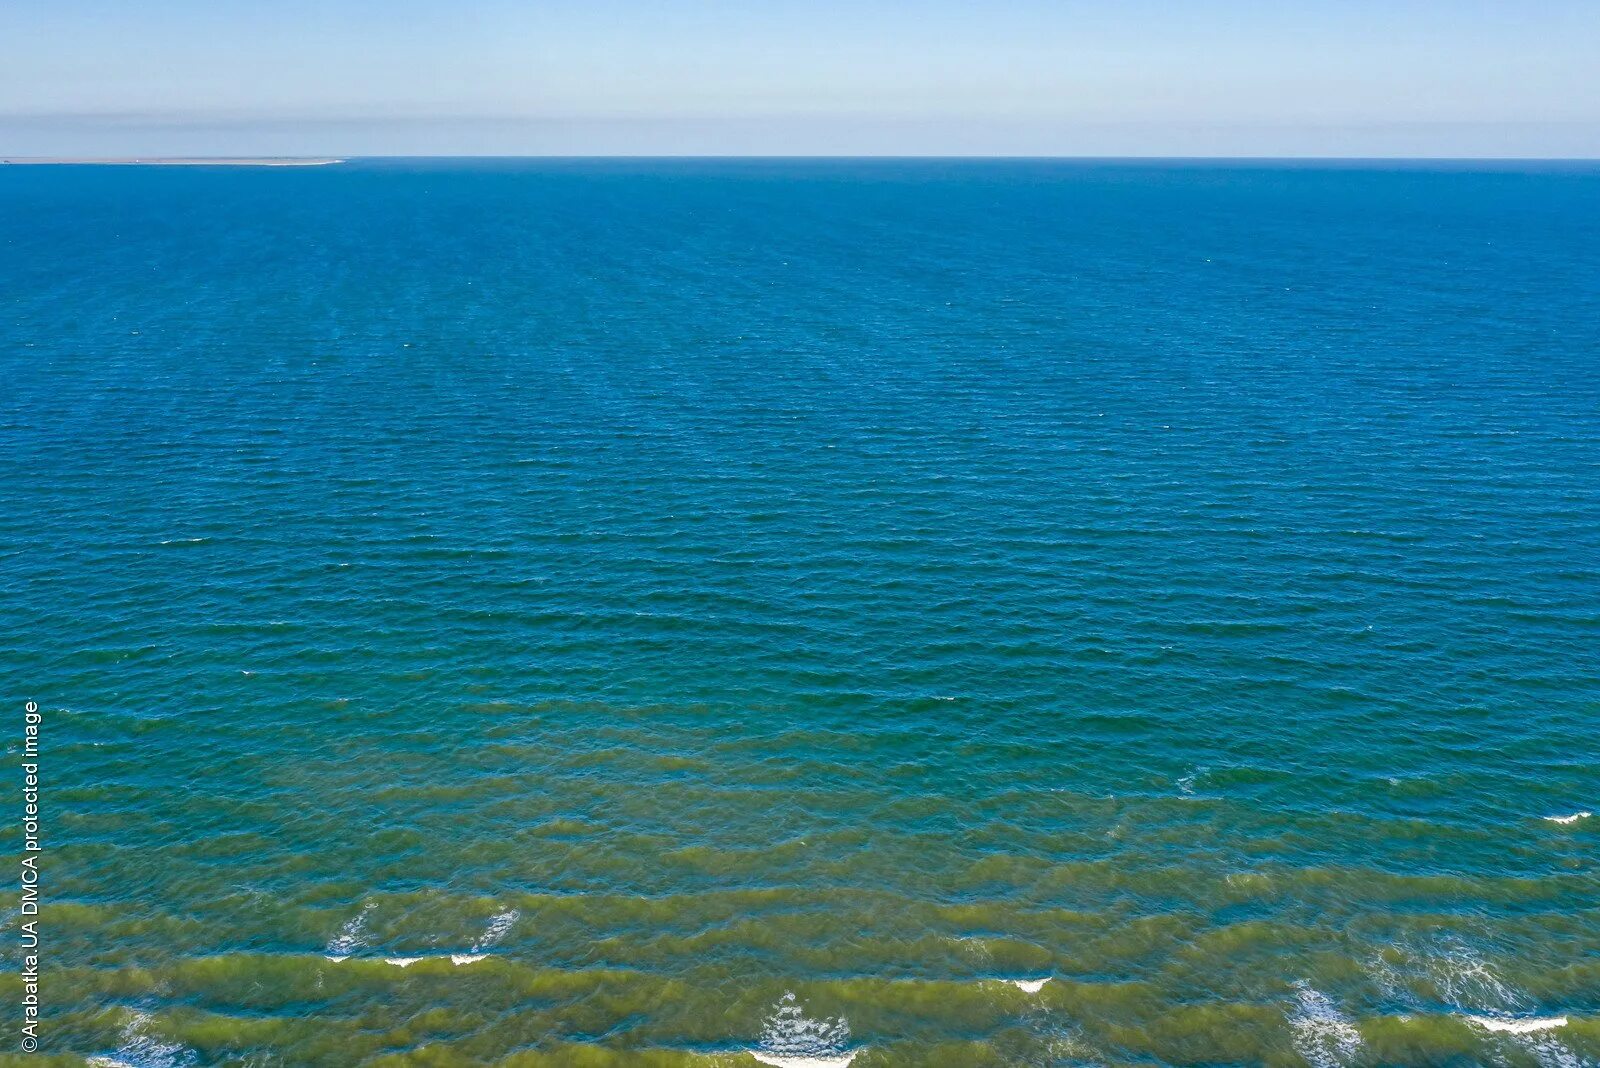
(1209, 77)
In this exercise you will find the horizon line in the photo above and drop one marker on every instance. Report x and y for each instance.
(330, 158)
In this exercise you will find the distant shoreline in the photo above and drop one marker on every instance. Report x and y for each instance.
(175, 161)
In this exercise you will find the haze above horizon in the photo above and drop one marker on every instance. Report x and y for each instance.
(1418, 78)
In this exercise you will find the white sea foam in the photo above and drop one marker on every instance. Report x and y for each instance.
(459, 959)
(1574, 818)
(499, 926)
(351, 936)
(1523, 1026)
(1468, 980)
(1456, 973)
(791, 1039)
(1029, 986)
(140, 1049)
(1481, 997)
(401, 962)
(1550, 1053)
(1323, 1035)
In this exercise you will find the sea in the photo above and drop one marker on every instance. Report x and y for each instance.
(706, 613)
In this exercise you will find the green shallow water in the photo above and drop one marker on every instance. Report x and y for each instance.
(629, 613)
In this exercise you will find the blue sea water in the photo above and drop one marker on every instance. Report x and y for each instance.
(653, 612)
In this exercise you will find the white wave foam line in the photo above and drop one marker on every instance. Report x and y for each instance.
(1029, 986)
(1574, 818)
(1323, 1035)
(791, 1039)
(1524, 1026)
(458, 959)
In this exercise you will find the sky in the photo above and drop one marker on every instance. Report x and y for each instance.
(1419, 78)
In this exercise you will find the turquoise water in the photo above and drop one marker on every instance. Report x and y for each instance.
(695, 608)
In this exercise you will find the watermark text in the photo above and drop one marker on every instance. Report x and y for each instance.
(32, 853)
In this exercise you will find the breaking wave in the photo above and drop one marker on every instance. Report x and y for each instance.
(791, 1039)
(1323, 1035)
(141, 1049)
(352, 936)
